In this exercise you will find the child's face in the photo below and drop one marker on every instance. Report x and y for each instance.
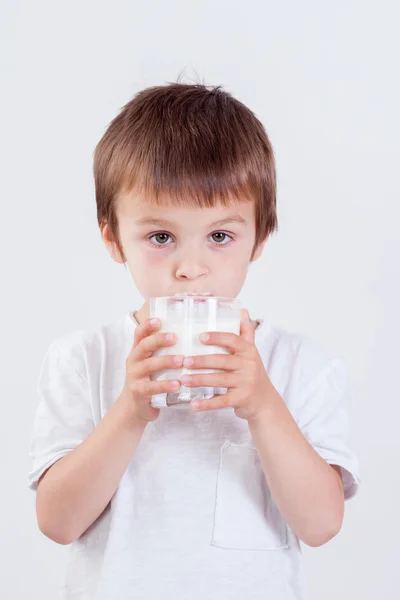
(173, 249)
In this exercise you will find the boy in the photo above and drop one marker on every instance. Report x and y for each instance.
(210, 502)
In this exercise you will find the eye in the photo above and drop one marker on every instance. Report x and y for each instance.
(160, 239)
(221, 238)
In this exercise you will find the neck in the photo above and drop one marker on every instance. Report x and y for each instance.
(143, 313)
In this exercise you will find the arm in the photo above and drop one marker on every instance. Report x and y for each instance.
(76, 489)
(307, 490)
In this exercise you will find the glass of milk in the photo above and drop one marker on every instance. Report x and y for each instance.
(187, 316)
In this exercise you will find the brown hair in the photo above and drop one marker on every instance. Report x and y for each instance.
(195, 143)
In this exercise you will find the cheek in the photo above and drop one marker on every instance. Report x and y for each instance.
(152, 258)
(234, 262)
(231, 274)
(234, 272)
(149, 272)
(144, 257)
(150, 267)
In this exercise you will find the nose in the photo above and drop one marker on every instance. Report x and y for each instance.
(190, 268)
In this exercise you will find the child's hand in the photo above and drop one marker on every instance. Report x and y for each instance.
(249, 386)
(140, 365)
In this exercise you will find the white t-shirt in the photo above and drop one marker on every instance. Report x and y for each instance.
(193, 516)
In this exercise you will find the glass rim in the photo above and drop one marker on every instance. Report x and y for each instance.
(195, 297)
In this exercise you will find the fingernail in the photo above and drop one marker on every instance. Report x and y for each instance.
(188, 362)
(205, 337)
(178, 360)
(170, 337)
(154, 321)
(186, 379)
(195, 404)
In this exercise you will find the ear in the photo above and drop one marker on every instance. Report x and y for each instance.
(110, 244)
(259, 250)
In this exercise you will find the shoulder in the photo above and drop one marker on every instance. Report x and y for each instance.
(295, 358)
(84, 347)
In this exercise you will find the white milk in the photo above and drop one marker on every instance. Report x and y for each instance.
(189, 317)
(188, 344)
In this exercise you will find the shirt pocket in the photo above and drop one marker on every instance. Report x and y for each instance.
(246, 516)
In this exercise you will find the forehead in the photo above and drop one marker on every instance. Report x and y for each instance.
(143, 211)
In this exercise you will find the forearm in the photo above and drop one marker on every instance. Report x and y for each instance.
(307, 491)
(76, 489)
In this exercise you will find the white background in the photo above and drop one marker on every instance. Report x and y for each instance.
(324, 79)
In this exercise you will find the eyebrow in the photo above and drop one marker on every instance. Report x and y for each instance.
(236, 218)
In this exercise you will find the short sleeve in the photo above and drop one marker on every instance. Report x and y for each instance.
(324, 420)
(64, 416)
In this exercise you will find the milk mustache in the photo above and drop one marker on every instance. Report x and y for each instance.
(187, 316)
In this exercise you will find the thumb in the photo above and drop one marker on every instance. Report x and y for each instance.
(246, 326)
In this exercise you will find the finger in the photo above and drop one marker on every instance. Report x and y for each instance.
(145, 387)
(228, 380)
(228, 362)
(246, 326)
(148, 366)
(214, 403)
(223, 339)
(153, 342)
(144, 329)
